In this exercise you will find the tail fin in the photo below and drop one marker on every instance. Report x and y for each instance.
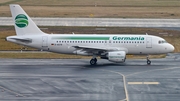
(22, 22)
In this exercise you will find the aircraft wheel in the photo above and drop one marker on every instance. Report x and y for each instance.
(148, 62)
(124, 59)
(93, 61)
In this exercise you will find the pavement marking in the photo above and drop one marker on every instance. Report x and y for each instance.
(124, 81)
(148, 83)
(135, 83)
(152, 83)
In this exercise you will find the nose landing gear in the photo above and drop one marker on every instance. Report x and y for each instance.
(148, 61)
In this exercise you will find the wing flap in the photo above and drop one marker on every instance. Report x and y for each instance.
(92, 49)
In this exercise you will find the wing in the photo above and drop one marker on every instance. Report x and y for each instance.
(99, 50)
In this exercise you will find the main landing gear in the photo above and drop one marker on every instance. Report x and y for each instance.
(93, 61)
(148, 61)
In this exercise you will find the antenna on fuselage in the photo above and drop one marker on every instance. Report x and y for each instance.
(73, 33)
(146, 33)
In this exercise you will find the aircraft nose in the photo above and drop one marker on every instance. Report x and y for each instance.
(171, 48)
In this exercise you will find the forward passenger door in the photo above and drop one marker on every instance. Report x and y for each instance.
(148, 42)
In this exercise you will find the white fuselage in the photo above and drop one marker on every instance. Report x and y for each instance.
(64, 43)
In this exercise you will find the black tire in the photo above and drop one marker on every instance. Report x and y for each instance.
(125, 59)
(93, 61)
(148, 62)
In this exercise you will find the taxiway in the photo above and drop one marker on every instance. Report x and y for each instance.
(99, 22)
(76, 80)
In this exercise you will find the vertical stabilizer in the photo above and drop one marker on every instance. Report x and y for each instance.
(22, 22)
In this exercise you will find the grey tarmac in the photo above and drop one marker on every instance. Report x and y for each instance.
(76, 80)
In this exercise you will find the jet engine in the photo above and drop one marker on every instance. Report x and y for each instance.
(116, 56)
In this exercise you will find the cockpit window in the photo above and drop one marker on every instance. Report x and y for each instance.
(162, 41)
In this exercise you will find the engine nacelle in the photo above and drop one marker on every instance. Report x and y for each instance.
(117, 56)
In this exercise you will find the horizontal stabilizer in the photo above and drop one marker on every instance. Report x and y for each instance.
(19, 39)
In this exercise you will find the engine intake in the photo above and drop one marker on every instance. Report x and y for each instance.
(117, 56)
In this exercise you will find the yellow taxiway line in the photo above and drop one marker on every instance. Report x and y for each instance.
(147, 83)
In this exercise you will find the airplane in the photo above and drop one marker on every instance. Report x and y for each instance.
(111, 47)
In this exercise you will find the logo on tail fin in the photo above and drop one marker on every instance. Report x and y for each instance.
(21, 21)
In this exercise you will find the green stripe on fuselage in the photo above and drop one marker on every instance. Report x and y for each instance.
(81, 38)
